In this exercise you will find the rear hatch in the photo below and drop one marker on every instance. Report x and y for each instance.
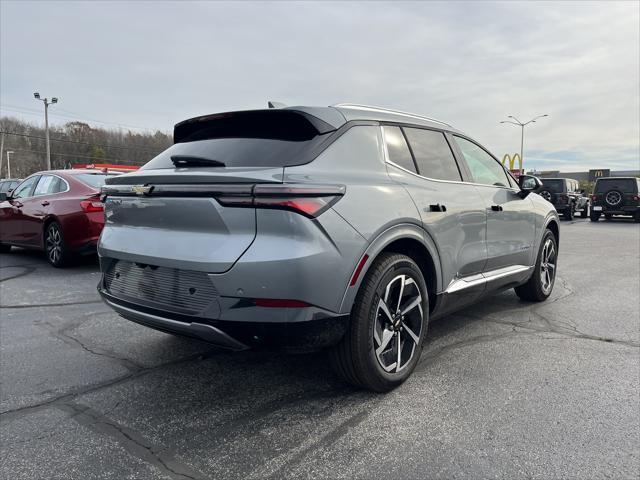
(183, 209)
(616, 193)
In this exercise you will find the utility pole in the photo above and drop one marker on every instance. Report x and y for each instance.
(46, 102)
(522, 125)
(9, 152)
(1, 153)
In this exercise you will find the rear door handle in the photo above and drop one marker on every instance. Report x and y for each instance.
(438, 208)
(45, 203)
(496, 208)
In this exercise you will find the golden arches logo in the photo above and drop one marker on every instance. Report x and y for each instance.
(512, 161)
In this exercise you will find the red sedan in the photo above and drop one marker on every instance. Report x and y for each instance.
(58, 212)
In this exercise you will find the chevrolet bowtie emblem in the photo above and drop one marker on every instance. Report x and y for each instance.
(141, 189)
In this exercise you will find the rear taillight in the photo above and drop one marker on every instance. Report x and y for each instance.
(91, 206)
(307, 200)
(594, 197)
(636, 198)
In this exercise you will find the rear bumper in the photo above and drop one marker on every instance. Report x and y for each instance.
(626, 210)
(315, 329)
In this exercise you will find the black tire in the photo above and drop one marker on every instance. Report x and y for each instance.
(568, 212)
(585, 213)
(5, 248)
(595, 216)
(55, 248)
(355, 358)
(534, 290)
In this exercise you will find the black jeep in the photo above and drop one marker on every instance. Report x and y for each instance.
(616, 196)
(566, 196)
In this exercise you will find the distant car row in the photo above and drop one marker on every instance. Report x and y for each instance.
(60, 213)
(611, 196)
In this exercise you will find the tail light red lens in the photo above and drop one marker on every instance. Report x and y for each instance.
(308, 200)
(279, 303)
(91, 206)
(594, 197)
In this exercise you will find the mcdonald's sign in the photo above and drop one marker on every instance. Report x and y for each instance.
(512, 162)
(599, 172)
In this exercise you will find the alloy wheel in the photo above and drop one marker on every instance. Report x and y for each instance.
(548, 266)
(613, 198)
(398, 324)
(54, 244)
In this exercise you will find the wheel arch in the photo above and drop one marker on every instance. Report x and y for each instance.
(407, 239)
(553, 225)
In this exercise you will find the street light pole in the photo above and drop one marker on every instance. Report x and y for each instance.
(46, 102)
(522, 125)
(9, 152)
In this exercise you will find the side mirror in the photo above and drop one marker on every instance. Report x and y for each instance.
(528, 184)
(3, 196)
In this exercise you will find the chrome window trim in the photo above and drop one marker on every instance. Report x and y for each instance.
(386, 159)
(51, 194)
(462, 283)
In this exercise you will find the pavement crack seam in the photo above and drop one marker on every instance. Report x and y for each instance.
(328, 439)
(25, 410)
(27, 271)
(132, 441)
(43, 305)
(63, 335)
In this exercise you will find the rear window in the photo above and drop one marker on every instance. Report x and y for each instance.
(273, 138)
(556, 186)
(95, 180)
(625, 185)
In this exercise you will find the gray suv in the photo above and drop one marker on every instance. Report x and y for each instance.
(346, 227)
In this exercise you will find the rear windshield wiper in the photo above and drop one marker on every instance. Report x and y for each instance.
(192, 161)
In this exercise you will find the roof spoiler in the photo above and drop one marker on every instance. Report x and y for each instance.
(274, 123)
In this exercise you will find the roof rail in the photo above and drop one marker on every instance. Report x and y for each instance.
(389, 110)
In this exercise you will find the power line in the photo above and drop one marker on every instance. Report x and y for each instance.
(82, 143)
(76, 116)
(73, 155)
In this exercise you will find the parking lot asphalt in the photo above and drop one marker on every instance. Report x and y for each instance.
(504, 389)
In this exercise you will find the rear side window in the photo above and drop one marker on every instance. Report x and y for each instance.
(49, 184)
(267, 139)
(398, 149)
(555, 186)
(624, 185)
(433, 154)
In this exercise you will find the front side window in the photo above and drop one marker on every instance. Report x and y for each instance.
(433, 154)
(24, 189)
(398, 149)
(484, 168)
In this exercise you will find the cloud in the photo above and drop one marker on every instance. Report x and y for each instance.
(470, 63)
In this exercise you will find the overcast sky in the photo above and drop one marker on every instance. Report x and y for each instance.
(151, 64)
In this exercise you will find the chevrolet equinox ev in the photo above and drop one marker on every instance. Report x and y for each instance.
(346, 228)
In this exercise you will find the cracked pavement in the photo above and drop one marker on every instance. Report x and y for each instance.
(504, 389)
